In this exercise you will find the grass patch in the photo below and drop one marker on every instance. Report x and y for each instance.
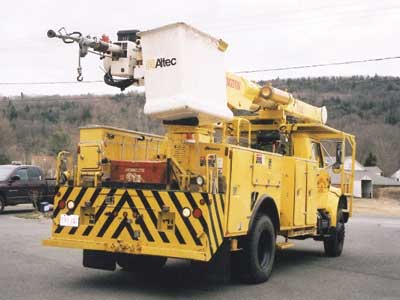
(34, 215)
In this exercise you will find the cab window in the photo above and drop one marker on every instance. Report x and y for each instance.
(34, 174)
(316, 153)
(23, 174)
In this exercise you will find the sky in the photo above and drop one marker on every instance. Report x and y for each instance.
(261, 34)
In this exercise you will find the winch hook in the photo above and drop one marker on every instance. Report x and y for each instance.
(80, 76)
(79, 69)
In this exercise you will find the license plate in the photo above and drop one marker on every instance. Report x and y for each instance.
(69, 220)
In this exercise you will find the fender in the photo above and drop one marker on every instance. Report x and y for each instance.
(343, 204)
(334, 202)
(266, 204)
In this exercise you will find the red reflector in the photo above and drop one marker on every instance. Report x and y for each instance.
(197, 213)
(61, 204)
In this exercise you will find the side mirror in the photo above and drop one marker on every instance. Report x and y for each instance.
(15, 178)
(338, 163)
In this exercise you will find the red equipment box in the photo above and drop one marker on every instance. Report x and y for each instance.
(153, 172)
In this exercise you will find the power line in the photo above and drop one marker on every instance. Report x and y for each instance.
(317, 19)
(49, 82)
(349, 62)
(238, 72)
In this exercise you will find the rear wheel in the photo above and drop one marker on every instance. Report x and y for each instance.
(2, 204)
(259, 251)
(140, 263)
(333, 245)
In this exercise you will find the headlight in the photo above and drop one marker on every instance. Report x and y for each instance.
(70, 205)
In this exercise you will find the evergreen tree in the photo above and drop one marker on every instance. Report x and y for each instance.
(371, 160)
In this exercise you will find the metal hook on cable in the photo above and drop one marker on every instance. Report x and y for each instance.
(79, 77)
(79, 69)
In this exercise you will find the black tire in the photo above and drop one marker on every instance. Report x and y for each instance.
(2, 204)
(333, 245)
(259, 251)
(140, 263)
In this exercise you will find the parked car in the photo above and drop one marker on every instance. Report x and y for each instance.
(24, 184)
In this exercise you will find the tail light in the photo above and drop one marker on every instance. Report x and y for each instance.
(61, 204)
(70, 205)
(197, 213)
(186, 212)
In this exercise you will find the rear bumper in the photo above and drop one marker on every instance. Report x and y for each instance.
(134, 247)
(130, 220)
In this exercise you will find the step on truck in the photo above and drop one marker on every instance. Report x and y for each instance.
(239, 165)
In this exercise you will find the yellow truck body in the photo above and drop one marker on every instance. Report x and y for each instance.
(130, 220)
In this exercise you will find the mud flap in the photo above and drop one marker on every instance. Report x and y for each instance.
(99, 260)
(218, 269)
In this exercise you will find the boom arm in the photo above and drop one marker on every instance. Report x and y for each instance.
(124, 59)
(86, 42)
(243, 94)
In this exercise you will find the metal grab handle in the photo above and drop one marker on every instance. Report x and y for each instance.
(239, 132)
(212, 182)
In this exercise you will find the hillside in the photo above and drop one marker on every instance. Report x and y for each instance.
(368, 107)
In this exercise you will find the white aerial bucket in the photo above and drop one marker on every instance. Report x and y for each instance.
(184, 74)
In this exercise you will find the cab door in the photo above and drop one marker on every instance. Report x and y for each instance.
(36, 184)
(315, 167)
(18, 189)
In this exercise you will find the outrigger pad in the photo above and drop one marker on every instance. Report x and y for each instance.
(99, 260)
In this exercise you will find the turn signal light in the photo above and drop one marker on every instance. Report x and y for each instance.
(197, 213)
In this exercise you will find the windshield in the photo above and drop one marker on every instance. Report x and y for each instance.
(5, 171)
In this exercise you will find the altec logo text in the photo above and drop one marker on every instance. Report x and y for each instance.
(160, 63)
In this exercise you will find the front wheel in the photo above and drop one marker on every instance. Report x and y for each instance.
(259, 251)
(333, 245)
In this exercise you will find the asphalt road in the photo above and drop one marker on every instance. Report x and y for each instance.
(369, 268)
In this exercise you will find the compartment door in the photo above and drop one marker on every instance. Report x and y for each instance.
(89, 156)
(240, 191)
(300, 193)
(312, 195)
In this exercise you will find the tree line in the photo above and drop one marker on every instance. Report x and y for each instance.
(368, 107)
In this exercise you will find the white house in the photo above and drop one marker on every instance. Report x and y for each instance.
(365, 178)
(396, 175)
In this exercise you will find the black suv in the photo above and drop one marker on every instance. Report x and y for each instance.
(23, 184)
